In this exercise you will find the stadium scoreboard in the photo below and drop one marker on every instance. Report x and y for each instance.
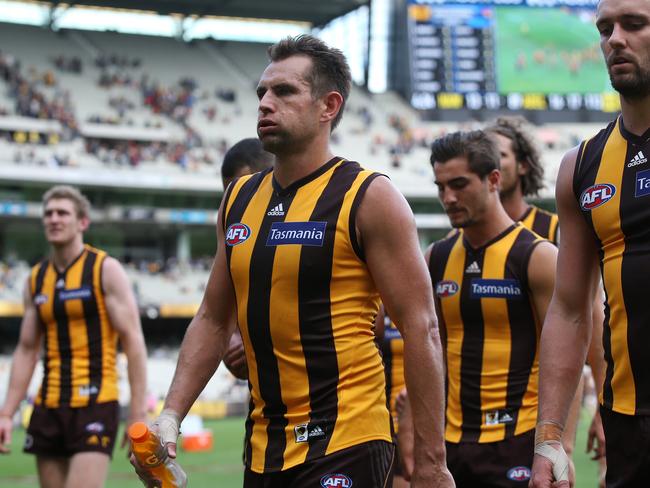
(506, 54)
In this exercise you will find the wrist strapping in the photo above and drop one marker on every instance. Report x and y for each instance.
(168, 423)
(548, 430)
(558, 458)
(548, 443)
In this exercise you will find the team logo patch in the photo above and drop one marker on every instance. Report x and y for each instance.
(237, 233)
(642, 187)
(495, 288)
(302, 233)
(496, 417)
(446, 288)
(519, 473)
(337, 480)
(29, 441)
(78, 293)
(40, 299)
(304, 432)
(95, 427)
(597, 195)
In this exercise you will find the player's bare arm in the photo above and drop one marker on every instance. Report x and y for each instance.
(541, 277)
(567, 327)
(22, 367)
(207, 336)
(124, 317)
(388, 236)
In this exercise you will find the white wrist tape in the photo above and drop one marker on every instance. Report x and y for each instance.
(168, 426)
(558, 458)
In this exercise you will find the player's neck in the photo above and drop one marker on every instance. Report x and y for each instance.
(515, 205)
(494, 222)
(292, 166)
(636, 114)
(63, 256)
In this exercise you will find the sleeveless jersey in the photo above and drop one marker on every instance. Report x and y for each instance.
(392, 349)
(306, 308)
(491, 335)
(542, 223)
(611, 183)
(80, 343)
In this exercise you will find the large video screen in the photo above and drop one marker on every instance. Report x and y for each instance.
(465, 54)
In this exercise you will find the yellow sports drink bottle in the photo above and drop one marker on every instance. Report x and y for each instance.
(153, 458)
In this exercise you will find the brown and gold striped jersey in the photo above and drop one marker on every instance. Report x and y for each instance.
(306, 306)
(542, 223)
(490, 335)
(392, 350)
(80, 343)
(611, 183)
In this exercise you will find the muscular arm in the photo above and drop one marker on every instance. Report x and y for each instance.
(567, 327)
(541, 277)
(568, 324)
(207, 336)
(22, 367)
(389, 239)
(125, 319)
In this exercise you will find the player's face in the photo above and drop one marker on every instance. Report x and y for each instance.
(61, 223)
(288, 115)
(624, 27)
(463, 194)
(511, 169)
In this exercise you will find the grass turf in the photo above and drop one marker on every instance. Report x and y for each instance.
(523, 32)
(221, 467)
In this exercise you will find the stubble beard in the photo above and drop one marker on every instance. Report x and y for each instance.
(633, 86)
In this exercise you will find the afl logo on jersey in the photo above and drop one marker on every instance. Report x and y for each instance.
(335, 481)
(520, 473)
(446, 288)
(237, 233)
(597, 195)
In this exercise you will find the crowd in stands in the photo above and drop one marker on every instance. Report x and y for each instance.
(31, 101)
(68, 64)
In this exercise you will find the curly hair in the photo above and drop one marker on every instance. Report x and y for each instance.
(525, 150)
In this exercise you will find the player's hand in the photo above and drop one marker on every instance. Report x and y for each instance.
(166, 427)
(596, 437)
(432, 475)
(235, 358)
(6, 425)
(542, 475)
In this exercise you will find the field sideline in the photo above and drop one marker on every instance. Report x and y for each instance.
(220, 468)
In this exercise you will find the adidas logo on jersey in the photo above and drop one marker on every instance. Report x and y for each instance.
(276, 211)
(637, 160)
(473, 268)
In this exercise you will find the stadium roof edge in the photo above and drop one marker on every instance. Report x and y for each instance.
(315, 12)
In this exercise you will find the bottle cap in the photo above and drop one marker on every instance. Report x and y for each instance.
(138, 431)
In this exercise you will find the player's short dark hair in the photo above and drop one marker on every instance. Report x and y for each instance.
(247, 152)
(330, 70)
(477, 146)
(524, 149)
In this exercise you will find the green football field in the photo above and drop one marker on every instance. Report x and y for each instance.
(220, 468)
(544, 50)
